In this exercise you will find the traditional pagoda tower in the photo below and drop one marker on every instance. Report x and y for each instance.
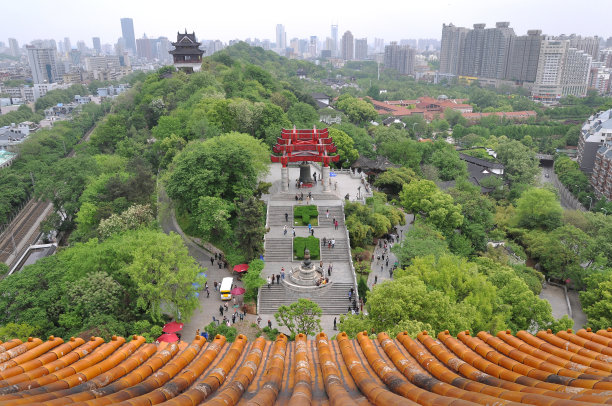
(187, 53)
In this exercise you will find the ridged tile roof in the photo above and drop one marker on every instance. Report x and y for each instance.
(546, 369)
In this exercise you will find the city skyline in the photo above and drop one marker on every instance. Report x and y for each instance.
(221, 21)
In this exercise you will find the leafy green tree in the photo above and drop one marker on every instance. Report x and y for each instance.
(449, 164)
(393, 180)
(358, 111)
(213, 214)
(250, 227)
(421, 240)
(21, 331)
(521, 165)
(303, 115)
(596, 299)
(252, 280)
(303, 316)
(166, 126)
(213, 329)
(344, 143)
(134, 217)
(538, 208)
(227, 166)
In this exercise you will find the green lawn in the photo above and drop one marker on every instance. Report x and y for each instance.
(304, 215)
(301, 243)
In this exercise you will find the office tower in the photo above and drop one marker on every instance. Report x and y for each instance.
(547, 87)
(334, 39)
(361, 49)
(589, 45)
(14, 47)
(97, 46)
(453, 41)
(163, 49)
(576, 69)
(347, 46)
(281, 38)
(400, 57)
(82, 47)
(496, 50)
(524, 56)
(143, 48)
(42, 63)
(379, 45)
(127, 32)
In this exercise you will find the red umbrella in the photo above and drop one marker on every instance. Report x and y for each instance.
(169, 338)
(237, 291)
(172, 327)
(241, 268)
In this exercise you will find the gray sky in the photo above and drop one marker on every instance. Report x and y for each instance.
(230, 19)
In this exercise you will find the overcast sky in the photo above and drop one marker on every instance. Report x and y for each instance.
(239, 19)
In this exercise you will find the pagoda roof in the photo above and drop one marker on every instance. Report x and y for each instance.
(186, 51)
(544, 369)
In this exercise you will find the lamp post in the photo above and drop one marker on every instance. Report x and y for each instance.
(590, 202)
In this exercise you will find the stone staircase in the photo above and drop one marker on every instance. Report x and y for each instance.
(290, 197)
(340, 252)
(278, 249)
(332, 299)
(334, 212)
(276, 216)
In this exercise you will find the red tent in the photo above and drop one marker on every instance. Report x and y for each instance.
(172, 327)
(241, 268)
(169, 338)
(237, 291)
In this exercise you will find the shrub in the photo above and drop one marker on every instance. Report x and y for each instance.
(253, 280)
(271, 333)
(304, 215)
(229, 332)
(301, 243)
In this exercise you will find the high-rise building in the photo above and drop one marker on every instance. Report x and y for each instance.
(400, 57)
(601, 179)
(67, 45)
(347, 46)
(589, 45)
(127, 32)
(379, 45)
(144, 48)
(576, 69)
(97, 45)
(42, 63)
(313, 48)
(14, 47)
(334, 39)
(281, 38)
(453, 41)
(595, 132)
(82, 47)
(496, 50)
(361, 49)
(524, 56)
(472, 53)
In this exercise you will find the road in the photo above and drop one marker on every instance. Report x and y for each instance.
(565, 200)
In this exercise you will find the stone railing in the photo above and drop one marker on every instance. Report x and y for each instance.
(348, 240)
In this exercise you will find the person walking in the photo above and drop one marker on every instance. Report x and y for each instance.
(329, 244)
(215, 285)
(309, 227)
(286, 216)
(207, 292)
(321, 264)
(329, 269)
(226, 307)
(269, 281)
(269, 323)
(212, 261)
(258, 320)
(234, 318)
(285, 229)
(335, 324)
(333, 242)
(375, 279)
(312, 232)
(350, 294)
(336, 224)
(273, 277)
(327, 213)
(283, 273)
(387, 262)
(324, 241)
(278, 279)
(293, 228)
(221, 310)
(241, 315)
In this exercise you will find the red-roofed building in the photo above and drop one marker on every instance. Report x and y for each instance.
(509, 115)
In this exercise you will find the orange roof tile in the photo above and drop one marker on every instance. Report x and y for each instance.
(566, 368)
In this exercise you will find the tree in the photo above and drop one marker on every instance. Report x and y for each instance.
(520, 162)
(252, 280)
(16, 330)
(538, 208)
(344, 143)
(393, 179)
(421, 240)
(303, 115)
(449, 164)
(227, 167)
(358, 111)
(250, 227)
(213, 216)
(303, 316)
(596, 300)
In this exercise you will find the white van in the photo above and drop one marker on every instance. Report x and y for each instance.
(226, 287)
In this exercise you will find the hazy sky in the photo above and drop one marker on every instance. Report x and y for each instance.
(230, 19)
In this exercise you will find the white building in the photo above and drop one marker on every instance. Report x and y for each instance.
(43, 65)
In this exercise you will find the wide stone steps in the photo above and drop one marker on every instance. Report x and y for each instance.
(335, 212)
(332, 300)
(316, 196)
(278, 249)
(276, 216)
(340, 252)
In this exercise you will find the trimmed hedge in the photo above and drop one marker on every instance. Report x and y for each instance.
(301, 243)
(304, 215)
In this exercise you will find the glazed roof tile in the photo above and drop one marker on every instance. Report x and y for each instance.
(566, 368)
